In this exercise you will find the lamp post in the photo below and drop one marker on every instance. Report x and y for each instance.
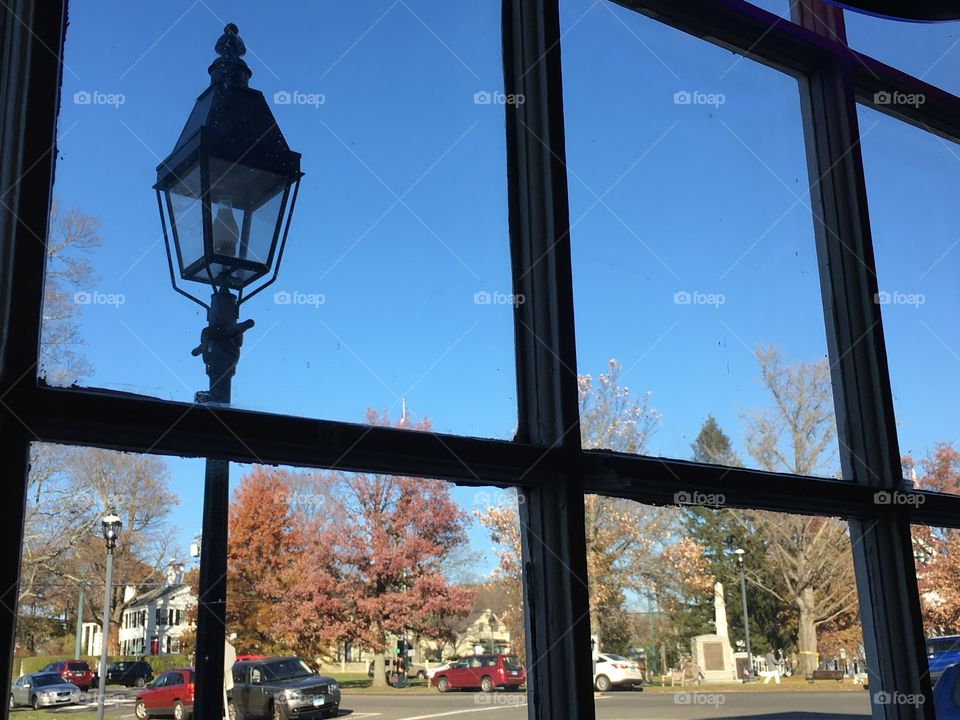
(751, 677)
(77, 642)
(111, 531)
(227, 192)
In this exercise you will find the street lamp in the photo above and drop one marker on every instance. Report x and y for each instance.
(751, 677)
(227, 192)
(110, 525)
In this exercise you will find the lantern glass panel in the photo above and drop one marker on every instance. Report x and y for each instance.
(245, 204)
(186, 219)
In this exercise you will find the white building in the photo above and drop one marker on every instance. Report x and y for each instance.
(153, 623)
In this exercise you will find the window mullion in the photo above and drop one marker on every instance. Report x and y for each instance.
(869, 451)
(551, 515)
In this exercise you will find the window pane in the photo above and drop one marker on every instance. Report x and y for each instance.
(667, 613)
(60, 603)
(693, 252)
(343, 569)
(915, 225)
(928, 51)
(333, 567)
(395, 280)
(936, 554)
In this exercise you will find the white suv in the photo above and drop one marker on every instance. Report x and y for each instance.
(611, 670)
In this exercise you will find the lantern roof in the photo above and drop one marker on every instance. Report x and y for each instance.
(232, 121)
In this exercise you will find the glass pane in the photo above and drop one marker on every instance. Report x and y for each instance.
(670, 587)
(700, 330)
(378, 581)
(936, 552)
(395, 286)
(777, 7)
(63, 564)
(186, 218)
(914, 222)
(928, 51)
(333, 567)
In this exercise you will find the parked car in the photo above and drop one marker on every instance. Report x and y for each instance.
(171, 694)
(941, 653)
(43, 689)
(281, 688)
(614, 670)
(129, 673)
(946, 694)
(76, 672)
(413, 670)
(484, 672)
(437, 668)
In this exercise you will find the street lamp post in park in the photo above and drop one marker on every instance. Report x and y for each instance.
(751, 676)
(226, 195)
(110, 525)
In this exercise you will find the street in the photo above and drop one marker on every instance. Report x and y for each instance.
(619, 706)
(700, 705)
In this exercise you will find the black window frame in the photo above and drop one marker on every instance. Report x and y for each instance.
(545, 460)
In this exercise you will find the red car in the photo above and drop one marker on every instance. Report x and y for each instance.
(484, 672)
(76, 672)
(170, 694)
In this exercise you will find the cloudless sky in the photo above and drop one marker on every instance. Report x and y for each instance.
(402, 215)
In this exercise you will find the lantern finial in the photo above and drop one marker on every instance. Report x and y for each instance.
(229, 68)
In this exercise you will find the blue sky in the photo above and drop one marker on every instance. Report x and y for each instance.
(402, 214)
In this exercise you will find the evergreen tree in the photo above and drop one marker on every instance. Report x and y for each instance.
(713, 446)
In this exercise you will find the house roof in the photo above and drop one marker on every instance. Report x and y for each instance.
(165, 591)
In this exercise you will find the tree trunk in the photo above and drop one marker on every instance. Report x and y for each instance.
(379, 671)
(807, 632)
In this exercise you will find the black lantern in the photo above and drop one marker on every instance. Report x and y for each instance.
(111, 529)
(229, 187)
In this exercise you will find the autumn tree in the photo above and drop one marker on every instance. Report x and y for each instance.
(263, 546)
(810, 557)
(624, 539)
(71, 489)
(937, 550)
(73, 235)
(391, 553)
(798, 433)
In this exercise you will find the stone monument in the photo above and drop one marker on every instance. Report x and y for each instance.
(713, 654)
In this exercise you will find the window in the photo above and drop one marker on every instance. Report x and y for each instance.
(446, 199)
(718, 281)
